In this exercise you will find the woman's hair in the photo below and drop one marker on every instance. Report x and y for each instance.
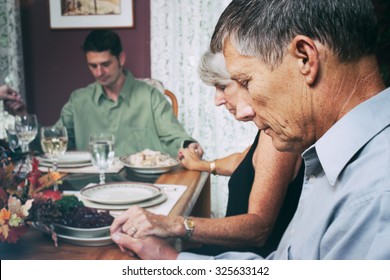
(212, 70)
(103, 40)
(264, 28)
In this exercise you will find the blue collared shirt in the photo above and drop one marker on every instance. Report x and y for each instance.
(344, 209)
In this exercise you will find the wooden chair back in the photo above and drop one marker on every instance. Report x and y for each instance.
(171, 96)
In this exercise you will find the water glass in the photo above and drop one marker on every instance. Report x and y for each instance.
(102, 152)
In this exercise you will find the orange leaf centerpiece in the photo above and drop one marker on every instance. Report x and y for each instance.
(29, 200)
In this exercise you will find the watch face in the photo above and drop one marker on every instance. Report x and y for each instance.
(190, 224)
(190, 227)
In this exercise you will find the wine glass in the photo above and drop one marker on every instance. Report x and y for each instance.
(102, 152)
(26, 128)
(54, 141)
(9, 126)
(12, 139)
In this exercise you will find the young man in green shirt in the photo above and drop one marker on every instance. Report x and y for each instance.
(138, 115)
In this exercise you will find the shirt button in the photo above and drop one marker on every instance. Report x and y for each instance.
(312, 179)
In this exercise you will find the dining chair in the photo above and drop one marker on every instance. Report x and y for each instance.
(171, 96)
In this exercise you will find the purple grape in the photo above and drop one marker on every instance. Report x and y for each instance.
(84, 217)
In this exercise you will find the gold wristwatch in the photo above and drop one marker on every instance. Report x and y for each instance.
(189, 225)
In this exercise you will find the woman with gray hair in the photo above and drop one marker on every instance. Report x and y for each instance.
(212, 70)
(260, 204)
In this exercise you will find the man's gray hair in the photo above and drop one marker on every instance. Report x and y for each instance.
(212, 70)
(264, 28)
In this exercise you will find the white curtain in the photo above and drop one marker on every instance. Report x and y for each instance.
(180, 32)
(11, 55)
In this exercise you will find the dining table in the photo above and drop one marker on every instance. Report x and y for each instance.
(36, 245)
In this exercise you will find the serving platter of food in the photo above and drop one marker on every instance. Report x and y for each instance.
(68, 219)
(76, 239)
(149, 162)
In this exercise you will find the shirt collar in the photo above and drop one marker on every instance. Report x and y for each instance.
(99, 93)
(346, 137)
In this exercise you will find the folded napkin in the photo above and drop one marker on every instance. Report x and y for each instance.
(116, 166)
(173, 193)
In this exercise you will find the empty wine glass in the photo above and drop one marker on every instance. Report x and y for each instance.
(26, 128)
(54, 142)
(12, 139)
(8, 122)
(102, 152)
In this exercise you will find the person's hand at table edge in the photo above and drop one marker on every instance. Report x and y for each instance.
(150, 248)
(193, 146)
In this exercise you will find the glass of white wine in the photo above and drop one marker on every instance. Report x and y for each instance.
(26, 128)
(54, 142)
(101, 146)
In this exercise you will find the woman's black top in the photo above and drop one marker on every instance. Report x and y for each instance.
(240, 186)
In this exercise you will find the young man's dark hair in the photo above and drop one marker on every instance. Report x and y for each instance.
(103, 40)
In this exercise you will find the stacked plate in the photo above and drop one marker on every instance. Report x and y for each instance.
(121, 196)
(79, 236)
(68, 160)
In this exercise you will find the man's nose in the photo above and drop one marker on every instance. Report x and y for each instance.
(245, 113)
(98, 71)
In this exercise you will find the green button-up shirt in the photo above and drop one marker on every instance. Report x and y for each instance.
(141, 118)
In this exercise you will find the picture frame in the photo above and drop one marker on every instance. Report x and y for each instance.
(86, 14)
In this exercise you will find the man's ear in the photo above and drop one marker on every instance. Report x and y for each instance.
(305, 51)
(122, 58)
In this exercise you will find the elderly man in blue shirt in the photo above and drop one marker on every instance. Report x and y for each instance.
(312, 74)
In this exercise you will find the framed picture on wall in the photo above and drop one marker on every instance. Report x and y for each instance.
(83, 14)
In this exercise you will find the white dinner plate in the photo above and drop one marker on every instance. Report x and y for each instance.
(69, 158)
(144, 204)
(65, 165)
(120, 193)
(83, 241)
(148, 169)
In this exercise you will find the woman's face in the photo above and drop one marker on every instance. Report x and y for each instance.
(236, 100)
